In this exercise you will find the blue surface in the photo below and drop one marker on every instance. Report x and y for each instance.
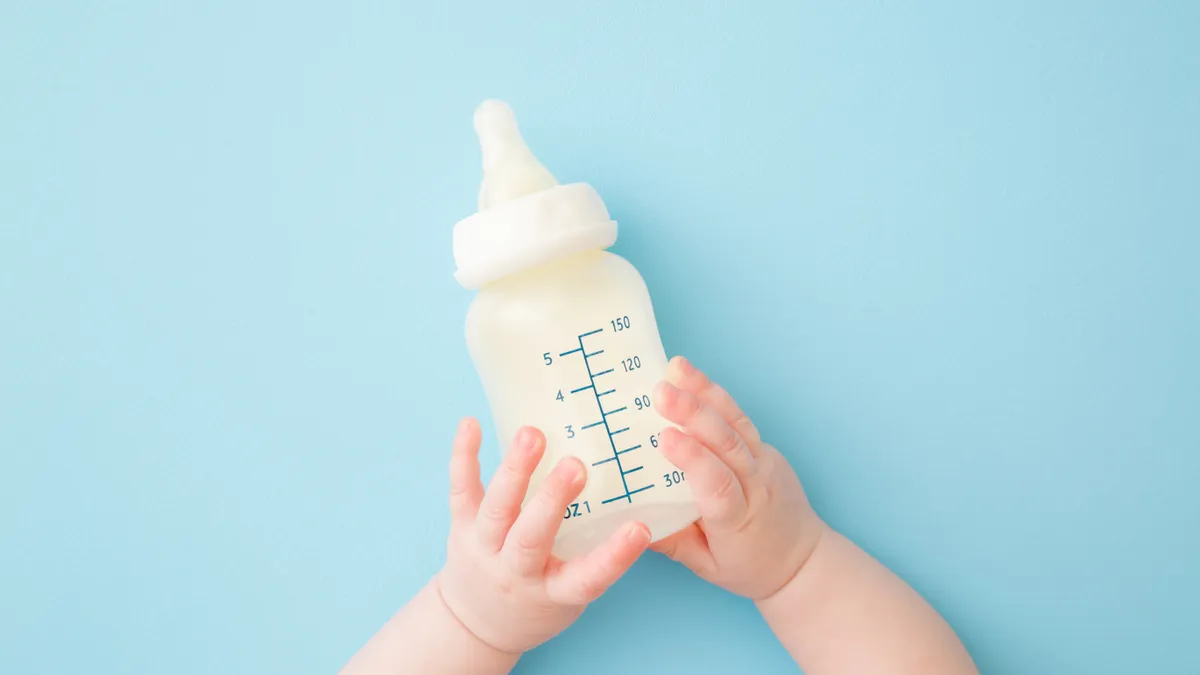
(946, 256)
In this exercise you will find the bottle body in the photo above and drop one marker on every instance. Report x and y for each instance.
(572, 347)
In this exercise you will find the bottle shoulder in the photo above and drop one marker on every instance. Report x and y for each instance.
(561, 286)
(569, 275)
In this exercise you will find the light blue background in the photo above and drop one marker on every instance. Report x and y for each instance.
(946, 256)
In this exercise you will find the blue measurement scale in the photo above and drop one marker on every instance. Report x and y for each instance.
(603, 385)
(600, 384)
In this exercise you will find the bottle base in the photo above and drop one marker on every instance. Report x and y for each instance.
(662, 519)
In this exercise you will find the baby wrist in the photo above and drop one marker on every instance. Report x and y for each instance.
(824, 533)
(483, 648)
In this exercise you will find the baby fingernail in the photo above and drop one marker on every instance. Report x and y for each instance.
(638, 534)
(526, 438)
(570, 470)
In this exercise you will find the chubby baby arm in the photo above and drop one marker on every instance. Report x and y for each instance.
(501, 592)
(835, 608)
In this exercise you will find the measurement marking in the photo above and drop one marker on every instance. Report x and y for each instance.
(614, 433)
(641, 490)
(614, 457)
(614, 412)
(605, 393)
(627, 495)
(578, 349)
(596, 353)
(636, 468)
(584, 388)
(603, 419)
(593, 424)
(604, 372)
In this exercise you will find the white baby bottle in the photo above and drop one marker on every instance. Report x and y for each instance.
(563, 336)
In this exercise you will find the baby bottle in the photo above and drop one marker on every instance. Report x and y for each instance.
(563, 336)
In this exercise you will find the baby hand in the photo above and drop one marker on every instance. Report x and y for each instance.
(756, 527)
(500, 580)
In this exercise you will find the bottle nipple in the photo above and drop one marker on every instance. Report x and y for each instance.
(509, 168)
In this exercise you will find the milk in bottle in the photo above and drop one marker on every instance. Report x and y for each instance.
(563, 336)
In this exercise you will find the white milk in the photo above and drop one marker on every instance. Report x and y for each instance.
(563, 336)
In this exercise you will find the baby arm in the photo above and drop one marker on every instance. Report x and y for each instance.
(501, 592)
(835, 608)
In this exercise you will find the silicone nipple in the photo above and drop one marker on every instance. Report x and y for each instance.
(509, 168)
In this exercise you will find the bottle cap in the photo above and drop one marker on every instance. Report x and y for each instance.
(525, 217)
